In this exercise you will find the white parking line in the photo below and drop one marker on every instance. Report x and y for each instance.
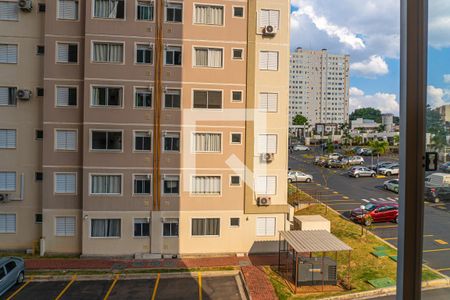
(393, 200)
(365, 200)
(373, 199)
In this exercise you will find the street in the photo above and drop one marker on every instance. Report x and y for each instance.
(343, 193)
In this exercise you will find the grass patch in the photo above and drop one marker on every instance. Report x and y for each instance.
(297, 196)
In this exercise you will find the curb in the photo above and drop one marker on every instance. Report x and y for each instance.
(244, 285)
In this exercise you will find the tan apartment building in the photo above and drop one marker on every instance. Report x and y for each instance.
(164, 127)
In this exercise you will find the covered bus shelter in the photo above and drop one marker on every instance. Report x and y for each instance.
(298, 246)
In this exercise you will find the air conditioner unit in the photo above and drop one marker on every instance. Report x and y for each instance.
(263, 201)
(269, 30)
(24, 94)
(267, 157)
(25, 5)
(4, 198)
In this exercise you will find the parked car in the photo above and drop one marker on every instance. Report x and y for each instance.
(12, 271)
(437, 187)
(320, 160)
(391, 185)
(334, 163)
(381, 164)
(355, 160)
(445, 167)
(361, 172)
(366, 152)
(334, 156)
(375, 213)
(393, 169)
(301, 148)
(297, 176)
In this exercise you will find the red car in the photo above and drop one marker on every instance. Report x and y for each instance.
(375, 212)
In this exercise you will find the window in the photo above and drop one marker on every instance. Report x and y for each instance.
(238, 12)
(237, 54)
(40, 50)
(68, 9)
(269, 17)
(2, 273)
(265, 226)
(67, 53)
(235, 180)
(207, 226)
(234, 222)
(172, 98)
(145, 10)
(41, 7)
(172, 56)
(171, 184)
(208, 99)
(107, 52)
(106, 140)
(66, 96)
(174, 12)
(208, 57)
(208, 14)
(207, 142)
(109, 9)
(40, 92)
(7, 138)
(106, 184)
(39, 134)
(170, 227)
(38, 176)
(7, 223)
(10, 266)
(143, 98)
(144, 54)
(236, 138)
(172, 141)
(8, 53)
(8, 96)
(66, 140)
(236, 96)
(65, 183)
(7, 181)
(38, 218)
(106, 96)
(267, 143)
(266, 185)
(65, 226)
(268, 60)
(142, 184)
(206, 185)
(9, 11)
(141, 227)
(268, 102)
(105, 227)
(142, 141)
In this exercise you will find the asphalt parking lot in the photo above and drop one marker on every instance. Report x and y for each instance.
(160, 287)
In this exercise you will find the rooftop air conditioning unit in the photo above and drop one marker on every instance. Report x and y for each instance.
(25, 5)
(267, 157)
(269, 30)
(24, 94)
(263, 201)
(4, 198)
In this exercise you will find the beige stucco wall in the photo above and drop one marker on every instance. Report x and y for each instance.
(61, 244)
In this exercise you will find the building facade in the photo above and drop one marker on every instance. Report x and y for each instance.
(161, 129)
(319, 87)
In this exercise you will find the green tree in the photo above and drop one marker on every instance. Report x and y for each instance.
(330, 147)
(380, 128)
(369, 113)
(345, 131)
(434, 120)
(396, 139)
(439, 139)
(378, 147)
(300, 120)
(357, 139)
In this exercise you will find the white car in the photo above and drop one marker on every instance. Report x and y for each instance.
(389, 170)
(335, 156)
(355, 160)
(301, 148)
(297, 176)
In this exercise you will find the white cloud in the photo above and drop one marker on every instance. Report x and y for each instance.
(372, 67)
(446, 78)
(437, 97)
(385, 102)
(439, 24)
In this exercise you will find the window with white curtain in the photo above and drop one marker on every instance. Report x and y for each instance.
(9, 11)
(106, 140)
(208, 14)
(171, 184)
(105, 227)
(172, 98)
(174, 12)
(266, 185)
(142, 184)
(172, 55)
(142, 141)
(268, 102)
(144, 54)
(7, 181)
(265, 226)
(209, 185)
(208, 57)
(107, 52)
(65, 183)
(66, 140)
(106, 184)
(67, 53)
(207, 142)
(8, 96)
(8, 53)
(268, 60)
(145, 11)
(8, 222)
(106, 96)
(205, 226)
(207, 99)
(66, 96)
(109, 9)
(7, 138)
(269, 17)
(267, 143)
(68, 9)
(143, 98)
(65, 226)
(172, 141)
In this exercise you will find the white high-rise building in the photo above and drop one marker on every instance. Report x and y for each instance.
(319, 87)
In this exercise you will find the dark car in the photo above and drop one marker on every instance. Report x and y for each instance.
(445, 167)
(375, 213)
(334, 163)
(437, 194)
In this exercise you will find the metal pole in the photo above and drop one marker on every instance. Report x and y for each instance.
(296, 271)
(279, 251)
(321, 271)
(348, 273)
(413, 91)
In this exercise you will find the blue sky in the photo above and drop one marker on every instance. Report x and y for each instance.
(369, 31)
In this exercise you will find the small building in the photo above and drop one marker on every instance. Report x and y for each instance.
(364, 124)
(313, 222)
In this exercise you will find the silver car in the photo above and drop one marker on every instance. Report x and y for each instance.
(297, 176)
(361, 172)
(12, 271)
